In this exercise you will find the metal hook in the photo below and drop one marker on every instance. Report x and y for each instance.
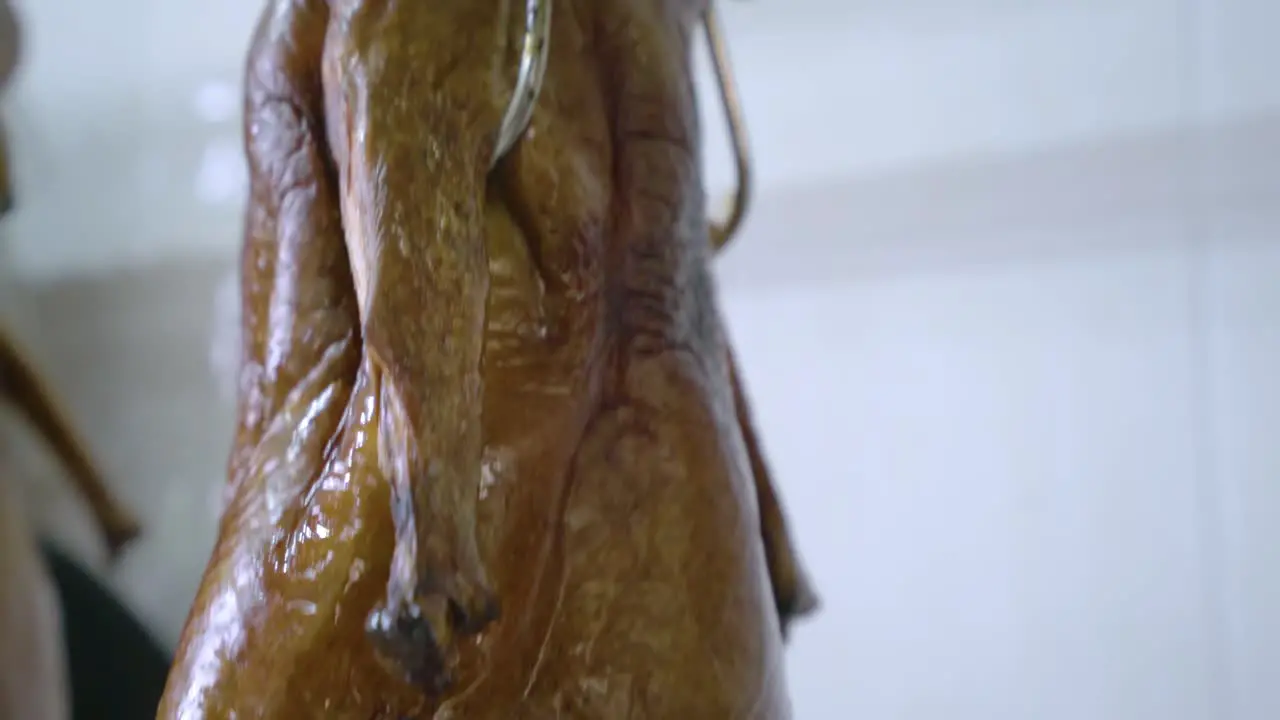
(722, 233)
(533, 66)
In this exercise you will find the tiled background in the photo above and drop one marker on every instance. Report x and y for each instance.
(1008, 306)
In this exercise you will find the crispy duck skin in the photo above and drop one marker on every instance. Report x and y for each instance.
(493, 457)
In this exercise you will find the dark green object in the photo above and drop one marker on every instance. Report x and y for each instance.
(117, 668)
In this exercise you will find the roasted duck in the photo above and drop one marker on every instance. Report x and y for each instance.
(493, 456)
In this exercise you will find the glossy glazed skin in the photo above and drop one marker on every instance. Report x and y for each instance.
(493, 458)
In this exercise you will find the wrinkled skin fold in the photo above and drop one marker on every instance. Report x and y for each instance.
(494, 459)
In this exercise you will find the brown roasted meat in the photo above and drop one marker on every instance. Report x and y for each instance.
(493, 459)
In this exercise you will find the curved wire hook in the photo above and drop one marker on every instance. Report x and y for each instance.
(533, 67)
(722, 233)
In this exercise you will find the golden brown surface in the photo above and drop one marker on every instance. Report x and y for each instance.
(492, 459)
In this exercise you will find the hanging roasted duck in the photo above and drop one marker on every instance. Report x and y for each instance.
(493, 458)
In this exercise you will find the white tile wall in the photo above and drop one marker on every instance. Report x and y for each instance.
(998, 488)
(1008, 307)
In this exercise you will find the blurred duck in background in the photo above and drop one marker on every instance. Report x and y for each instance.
(34, 682)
